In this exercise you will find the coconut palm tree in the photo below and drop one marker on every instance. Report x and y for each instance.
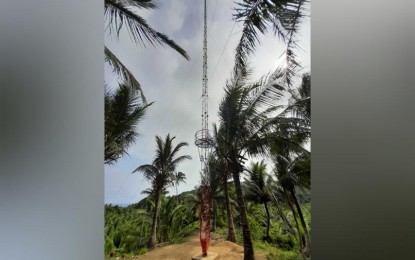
(123, 112)
(296, 116)
(217, 185)
(292, 160)
(178, 178)
(169, 218)
(120, 14)
(279, 200)
(220, 151)
(246, 118)
(293, 171)
(161, 174)
(257, 185)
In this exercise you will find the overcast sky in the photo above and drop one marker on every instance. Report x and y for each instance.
(175, 85)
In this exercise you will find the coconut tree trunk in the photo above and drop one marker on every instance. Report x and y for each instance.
(301, 238)
(153, 239)
(231, 228)
(303, 223)
(300, 213)
(281, 214)
(246, 233)
(268, 221)
(301, 235)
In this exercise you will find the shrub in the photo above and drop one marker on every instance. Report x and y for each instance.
(285, 241)
(109, 246)
(284, 255)
(142, 251)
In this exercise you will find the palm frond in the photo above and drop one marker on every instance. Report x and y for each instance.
(249, 38)
(118, 13)
(123, 112)
(162, 171)
(145, 4)
(177, 148)
(284, 16)
(123, 72)
(150, 172)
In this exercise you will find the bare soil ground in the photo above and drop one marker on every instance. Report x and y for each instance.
(185, 251)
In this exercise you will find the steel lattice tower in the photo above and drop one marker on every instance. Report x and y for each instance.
(203, 137)
(204, 142)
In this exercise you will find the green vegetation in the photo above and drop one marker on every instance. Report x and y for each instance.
(127, 229)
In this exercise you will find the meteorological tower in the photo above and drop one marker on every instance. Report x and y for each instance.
(205, 143)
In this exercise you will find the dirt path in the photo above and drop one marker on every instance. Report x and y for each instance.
(185, 251)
